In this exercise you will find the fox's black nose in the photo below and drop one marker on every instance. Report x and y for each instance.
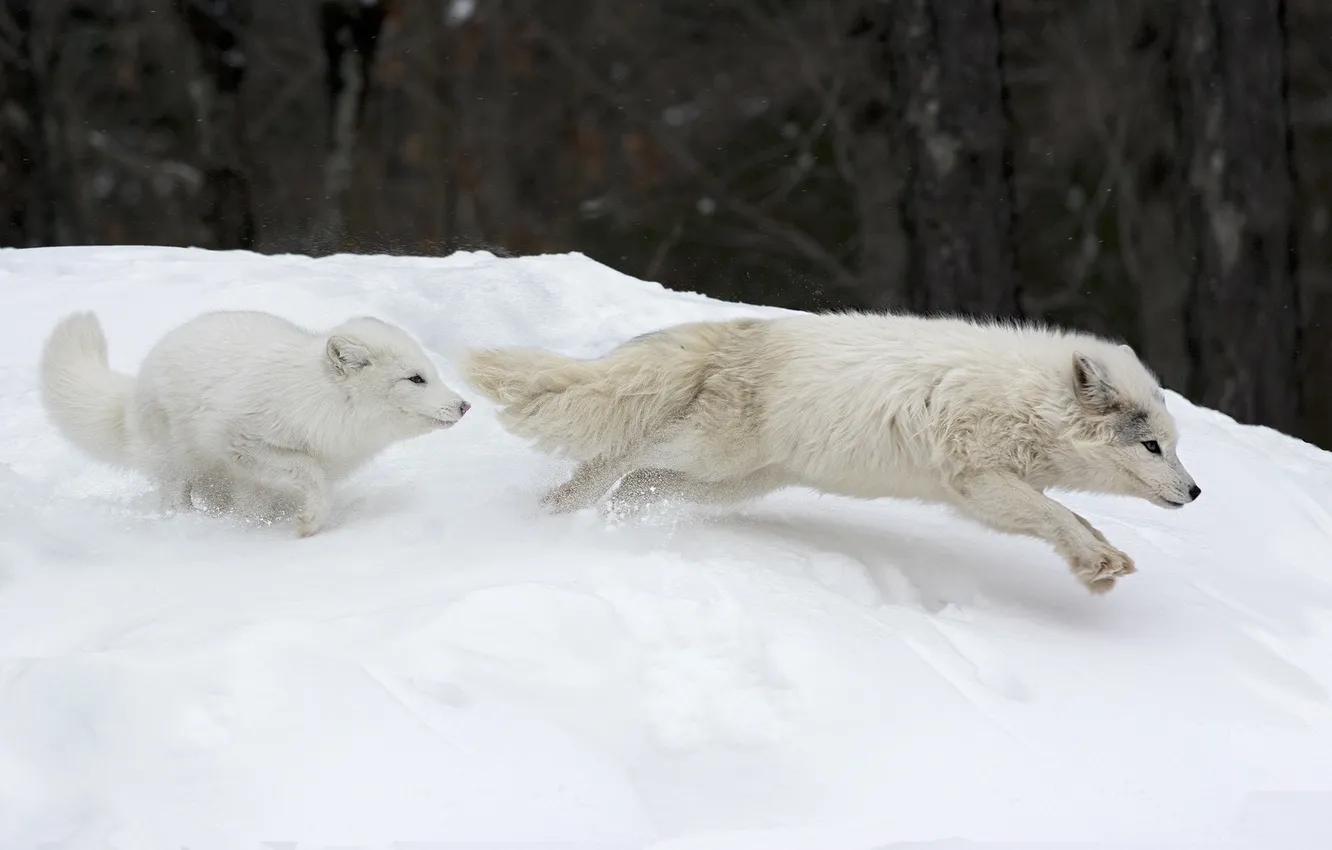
(463, 407)
(1194, 492)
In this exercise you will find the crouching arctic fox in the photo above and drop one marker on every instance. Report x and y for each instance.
(982, 417)
(242, 405)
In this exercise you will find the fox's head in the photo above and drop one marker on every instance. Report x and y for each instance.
(1125, 439)
(390, 377)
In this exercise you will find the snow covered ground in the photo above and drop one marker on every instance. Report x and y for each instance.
(446, 666)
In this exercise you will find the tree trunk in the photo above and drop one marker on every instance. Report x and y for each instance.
(20, 139)
(958, 203)
(874, 147)
(445, 132)
(217, 27)
(35, 199)
(1242, 317)
(350, 31)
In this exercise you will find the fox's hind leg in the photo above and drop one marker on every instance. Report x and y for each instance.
(711, 456)
(590, 480)
(216, 488)
(646, 485)
(175, 495)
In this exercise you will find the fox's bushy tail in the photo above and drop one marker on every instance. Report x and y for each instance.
(85, 399)
(588, 408)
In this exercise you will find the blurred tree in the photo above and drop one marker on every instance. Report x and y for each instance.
(349, 30)
(34, 187)
(813, 154)
(873, 138)
(948, 63)
(217, 29)
(1308, 32)
(21, 223)
(1242, 316)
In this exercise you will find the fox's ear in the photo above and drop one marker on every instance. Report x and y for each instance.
(347, 354)
(1092, 386)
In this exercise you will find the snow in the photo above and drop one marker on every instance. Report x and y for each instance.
(446, 665)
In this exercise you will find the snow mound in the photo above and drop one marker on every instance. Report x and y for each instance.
(447, 666)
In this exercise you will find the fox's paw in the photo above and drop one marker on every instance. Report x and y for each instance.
(313, 517)
(558, 500)
(1098, 568)
(566, 498)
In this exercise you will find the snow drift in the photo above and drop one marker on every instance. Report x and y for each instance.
(445, 665)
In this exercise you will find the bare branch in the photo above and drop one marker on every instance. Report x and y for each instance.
(804, 245)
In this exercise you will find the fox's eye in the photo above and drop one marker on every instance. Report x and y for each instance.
(1152, 446)
(416, 379)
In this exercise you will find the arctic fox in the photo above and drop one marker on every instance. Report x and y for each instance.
(246, 404)
(980, 416)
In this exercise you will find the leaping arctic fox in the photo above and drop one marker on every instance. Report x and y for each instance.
(980, 416)
(245, 403)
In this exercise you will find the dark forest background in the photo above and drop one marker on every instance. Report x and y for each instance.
(1156, 170)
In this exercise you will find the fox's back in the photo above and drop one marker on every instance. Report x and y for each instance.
(872, 397)
(217, 368)
(215, 350)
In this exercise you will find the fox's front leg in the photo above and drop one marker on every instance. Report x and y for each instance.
(1007, 503)
(590, 479)
(285, 471)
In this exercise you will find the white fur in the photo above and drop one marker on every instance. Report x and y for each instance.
(982, 417)
(242, 403)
